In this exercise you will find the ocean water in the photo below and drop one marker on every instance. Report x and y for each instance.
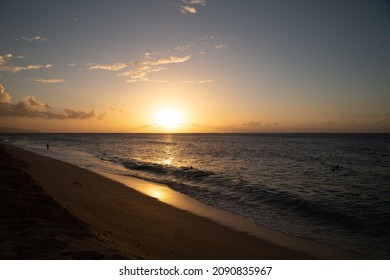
(286, 182)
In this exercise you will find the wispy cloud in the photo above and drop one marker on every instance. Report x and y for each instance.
(4, 66)
(15, 69)
(30, 107)
(102, 116)
(34, 39)
(367, 116)
(113, 109)
(195, 2)
(199, 82)
(108, 67)
(215, 42)
(188, 10)
(49, 81)
(166, 60)
(139, 71)
(185, 9)
(109, 110)
(205, 81)
(188, 6)
(382, 120)
(221, 47)
(253, 123)
(206, 44)
(183, 48)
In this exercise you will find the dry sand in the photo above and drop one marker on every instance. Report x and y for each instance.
(54, 210)
(34, 226)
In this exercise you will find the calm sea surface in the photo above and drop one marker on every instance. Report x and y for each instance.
(286, 182)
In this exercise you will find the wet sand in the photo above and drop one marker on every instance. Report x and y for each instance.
(54, 210)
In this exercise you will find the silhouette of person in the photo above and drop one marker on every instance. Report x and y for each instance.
(47, 146)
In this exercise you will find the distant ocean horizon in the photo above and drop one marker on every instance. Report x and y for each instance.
(328, 187)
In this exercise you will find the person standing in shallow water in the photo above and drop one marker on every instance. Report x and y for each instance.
(47, 146)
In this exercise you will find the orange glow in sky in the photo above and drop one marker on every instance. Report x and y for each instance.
(194, 66)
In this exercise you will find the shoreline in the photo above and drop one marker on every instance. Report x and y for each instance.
(231, 220)
(139, 226)
(34, 226)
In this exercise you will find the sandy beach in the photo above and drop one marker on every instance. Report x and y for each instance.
(54, 210)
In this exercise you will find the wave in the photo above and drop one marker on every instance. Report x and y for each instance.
(284, 187)
(219, 190)
(187, 172)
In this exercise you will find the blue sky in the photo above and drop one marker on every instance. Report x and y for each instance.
(227, 66)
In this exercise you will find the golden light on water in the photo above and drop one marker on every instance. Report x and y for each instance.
(156, 193)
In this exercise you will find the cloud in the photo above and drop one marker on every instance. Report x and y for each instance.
(367, 116)
(4, 59)
(13, 69)
(183, 48)
(253, 124)
(195, 2)
(49, 81)
(4, 97)
(198, 82)
(168, 60)
(109, 109)
(30, 107)
(108, 67)
(188, 10)
(221, 47)
(215, 42)
(205, 81)
(113, 109)
(34, 39)
(101, 116)
(189, 6)
(139, 71)
(364, 119)
(80, 115)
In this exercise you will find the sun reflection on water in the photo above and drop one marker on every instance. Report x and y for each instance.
(156, 193)
(168, 151)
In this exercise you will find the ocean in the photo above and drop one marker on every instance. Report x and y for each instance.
(331, 188)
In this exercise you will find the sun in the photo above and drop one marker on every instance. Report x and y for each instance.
(168, 117)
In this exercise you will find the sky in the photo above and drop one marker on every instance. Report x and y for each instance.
(190, 66)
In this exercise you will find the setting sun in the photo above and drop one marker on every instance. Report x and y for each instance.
(169, 118)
